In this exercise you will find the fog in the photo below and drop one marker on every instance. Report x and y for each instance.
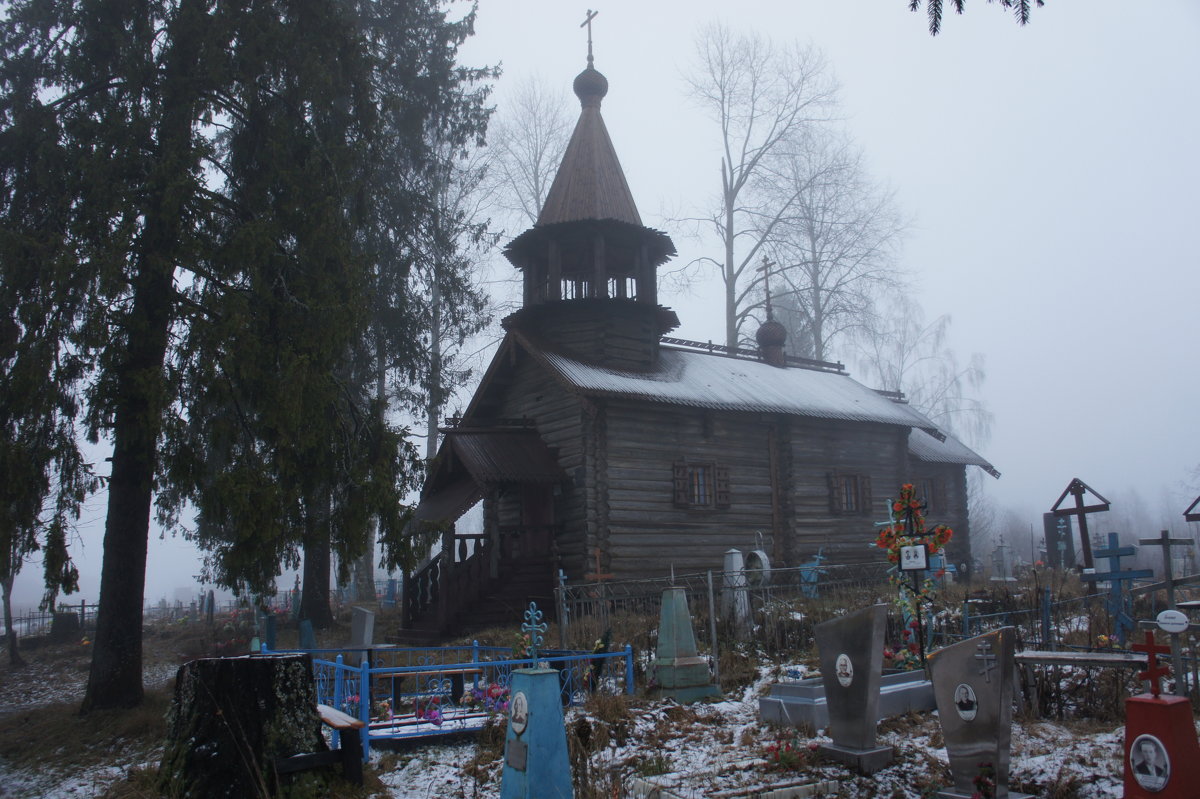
(1051, 171)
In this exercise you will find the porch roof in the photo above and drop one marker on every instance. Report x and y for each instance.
(473, 458)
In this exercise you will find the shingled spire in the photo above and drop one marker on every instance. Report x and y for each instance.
(590, 183)
(589, 263)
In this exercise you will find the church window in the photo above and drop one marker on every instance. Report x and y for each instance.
(701, 484)
(849, 494)
(927, 493)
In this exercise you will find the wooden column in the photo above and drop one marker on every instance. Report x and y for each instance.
(554, 278)
(526, 283)
(600, 281)
(647, 280)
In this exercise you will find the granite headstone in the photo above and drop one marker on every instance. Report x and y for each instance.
(851, 652)
(973, 687)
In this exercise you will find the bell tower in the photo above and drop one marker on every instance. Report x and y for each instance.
(589, 265)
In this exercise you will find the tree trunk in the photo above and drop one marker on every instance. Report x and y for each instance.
(364, 570)
(10, 632)
(314, 598)
(231, 718)
(731, 309)
(115, 679)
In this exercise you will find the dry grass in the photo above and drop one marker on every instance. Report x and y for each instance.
(105, 736)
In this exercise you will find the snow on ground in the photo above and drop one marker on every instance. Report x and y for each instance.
(702, 750)
(720, 749)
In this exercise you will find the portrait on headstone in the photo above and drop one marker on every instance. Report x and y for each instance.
(520, 712)
(1150, 763)
(845, 670)
(965, 702)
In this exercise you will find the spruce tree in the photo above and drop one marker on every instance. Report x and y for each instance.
(222, 180)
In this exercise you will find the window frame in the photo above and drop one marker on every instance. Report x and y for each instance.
(712, 493)
(859, 493)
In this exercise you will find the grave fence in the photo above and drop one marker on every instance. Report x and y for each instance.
(450, 690)
(783, 605)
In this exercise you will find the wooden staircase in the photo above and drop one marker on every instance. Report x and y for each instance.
(445, 599)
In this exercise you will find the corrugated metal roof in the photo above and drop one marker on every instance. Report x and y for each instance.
(929, 449)
(503, 455)
(712, 381)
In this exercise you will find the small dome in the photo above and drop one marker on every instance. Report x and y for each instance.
(590, 87)
(771, 334)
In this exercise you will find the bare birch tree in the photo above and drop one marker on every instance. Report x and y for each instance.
(527, 140)
(837, 247)
(762, 97)
(902, 352)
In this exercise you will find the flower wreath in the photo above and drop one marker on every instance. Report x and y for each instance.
(905, 529)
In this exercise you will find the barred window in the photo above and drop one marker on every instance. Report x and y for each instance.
(849, 494)
(701, 484)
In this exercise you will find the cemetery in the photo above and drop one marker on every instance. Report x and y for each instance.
(890, 680)
(630, 565)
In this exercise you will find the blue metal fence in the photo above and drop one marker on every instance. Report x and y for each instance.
(449, 689)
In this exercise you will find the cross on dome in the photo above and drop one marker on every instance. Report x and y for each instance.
(588, 22)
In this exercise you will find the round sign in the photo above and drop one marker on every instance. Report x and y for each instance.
(844, 670)
(519, 714)
(1172, 621)
(965, 702)
(1149, 762)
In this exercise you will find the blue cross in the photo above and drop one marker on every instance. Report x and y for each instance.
(535, 627)
(1119, 602)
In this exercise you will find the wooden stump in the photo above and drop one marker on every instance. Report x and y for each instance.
(229, 721)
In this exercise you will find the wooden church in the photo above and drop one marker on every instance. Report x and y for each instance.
(598, 445)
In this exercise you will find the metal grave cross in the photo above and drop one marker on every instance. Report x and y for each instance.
(1119, 602)
(1077, 488)
(1153, 671)
(1165, 541)
(987, 660)
(597, 576)
(535, 627)
(810, 574)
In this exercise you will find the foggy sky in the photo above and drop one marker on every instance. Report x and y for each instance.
(1051, 171)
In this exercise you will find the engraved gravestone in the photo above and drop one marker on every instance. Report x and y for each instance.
(851, 650)
(973, 687)
(362, 628)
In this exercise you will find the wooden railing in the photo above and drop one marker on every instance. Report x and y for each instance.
(421, 591)
(454, 581)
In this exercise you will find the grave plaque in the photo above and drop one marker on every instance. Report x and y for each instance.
(973, 684)
(851, 669)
